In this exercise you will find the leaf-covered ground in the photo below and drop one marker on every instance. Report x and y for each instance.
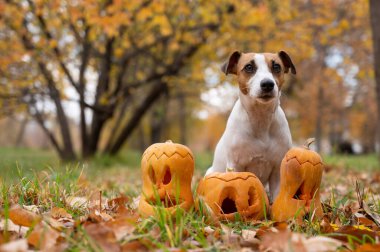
(56, 211)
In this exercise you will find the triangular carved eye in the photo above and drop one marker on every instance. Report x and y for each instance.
(167, 176)
(252, 197)
(152, 175)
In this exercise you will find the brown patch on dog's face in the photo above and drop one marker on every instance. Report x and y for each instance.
(243, 75)
(276, 66)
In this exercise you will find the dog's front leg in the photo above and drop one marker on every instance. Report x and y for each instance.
(274, 184)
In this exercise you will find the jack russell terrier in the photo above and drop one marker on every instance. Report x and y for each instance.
(257, 134)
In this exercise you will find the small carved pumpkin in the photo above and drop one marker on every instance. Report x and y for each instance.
(301, 174)
(167, 171)
(227, 194)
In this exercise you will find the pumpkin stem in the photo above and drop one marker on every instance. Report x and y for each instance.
(230, 169)
(308, 142)
(168, 141)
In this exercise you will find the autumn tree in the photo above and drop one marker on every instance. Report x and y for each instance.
(122, 63)
(117, 56)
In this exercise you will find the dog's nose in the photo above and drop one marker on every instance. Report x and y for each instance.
(267, 85)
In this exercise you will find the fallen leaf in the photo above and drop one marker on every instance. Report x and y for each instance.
(11, 227)
(32, 208)
(103, 236)
(122, 227)
(58, 213)
(23, 217)
(96, 216)
(43, 237)
(118, 202)
(322, 244)
(135, 246)
(77, 202)
(368, 248)
(326, 226)
(228, 236)
(20, 245)
(344, 232)
(249, 239)
(283, 241)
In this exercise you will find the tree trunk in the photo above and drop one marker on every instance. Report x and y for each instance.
(375, 24)
(155, 93)
(318, 123)
(21, 132)
(182, 118)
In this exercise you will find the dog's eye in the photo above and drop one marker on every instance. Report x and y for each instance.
(249, 68)
(276, 67)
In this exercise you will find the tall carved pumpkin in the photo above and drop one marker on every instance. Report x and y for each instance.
(301, 174)
(167, 171)
(227, 194)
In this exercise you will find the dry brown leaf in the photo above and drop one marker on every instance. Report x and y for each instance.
(23, 217)
(43, 237)
(368, 248)
(32, 208)
(136, 246)
(122, 227)
(118, 202)
(20, 245)
(96, 216)
(321, 244)
(103, 236)
(248, 239)
(362, 220)
(77, 202)
(263, 230)
(11, 227)
(326, 226)
(344, 231)
(229, 237)
(58, 213)
(283, 241)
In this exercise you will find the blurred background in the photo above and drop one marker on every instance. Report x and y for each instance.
(103, 79)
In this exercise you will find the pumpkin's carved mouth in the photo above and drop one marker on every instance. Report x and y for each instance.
(228, 206)
(303, 195)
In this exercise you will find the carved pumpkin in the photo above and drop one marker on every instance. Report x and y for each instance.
(301, 174)
(234, 192)
(167, 171)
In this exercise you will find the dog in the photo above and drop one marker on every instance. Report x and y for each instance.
(257, 134)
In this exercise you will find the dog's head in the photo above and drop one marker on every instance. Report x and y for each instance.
(260, 75)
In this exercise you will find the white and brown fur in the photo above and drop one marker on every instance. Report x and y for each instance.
(257, 134)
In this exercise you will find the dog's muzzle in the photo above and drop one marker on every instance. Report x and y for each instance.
(266, 85)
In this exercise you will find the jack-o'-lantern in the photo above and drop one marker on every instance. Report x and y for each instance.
(227, 194)
(301, 174)
(167, 171)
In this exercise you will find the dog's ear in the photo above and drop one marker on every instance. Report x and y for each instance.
(287, 61)
(231, 65)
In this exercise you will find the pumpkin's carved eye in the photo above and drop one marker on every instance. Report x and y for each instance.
(152, 175)
(252, 198)
(167, 176)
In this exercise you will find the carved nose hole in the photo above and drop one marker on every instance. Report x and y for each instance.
(252, 198)
(228, 206)
(167, 176)
(152, 175)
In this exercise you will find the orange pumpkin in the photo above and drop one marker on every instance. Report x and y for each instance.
(301, 174)
(167, 171)
(227, 194)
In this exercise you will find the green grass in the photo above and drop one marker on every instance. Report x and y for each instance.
(30, 161)
(120, 175)
(369, 162)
